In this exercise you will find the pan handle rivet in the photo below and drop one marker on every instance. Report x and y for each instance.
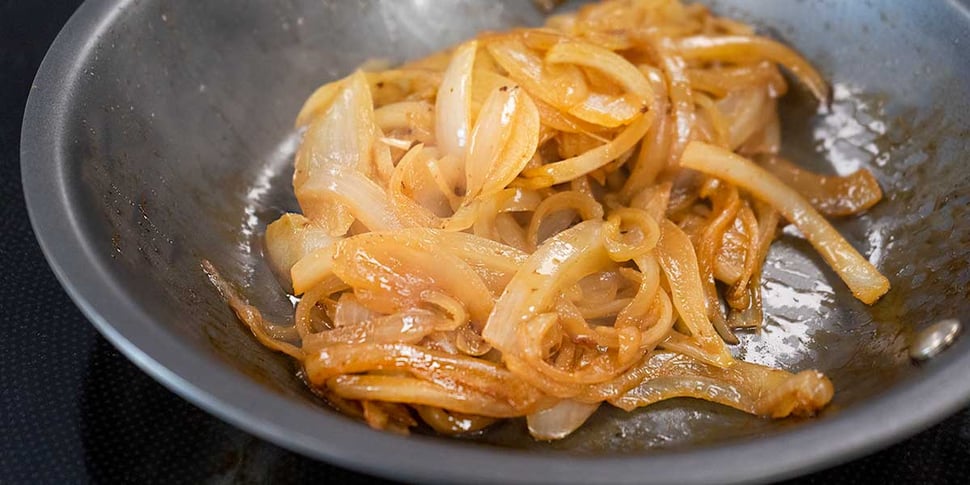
(934, 339)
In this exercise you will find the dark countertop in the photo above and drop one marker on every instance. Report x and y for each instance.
(73, 409)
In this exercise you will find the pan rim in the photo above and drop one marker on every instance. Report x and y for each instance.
(898, 413)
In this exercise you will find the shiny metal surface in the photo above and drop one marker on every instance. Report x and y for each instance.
(936, 338)
(159, 133)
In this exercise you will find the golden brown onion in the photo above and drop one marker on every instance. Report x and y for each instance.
(533, 223)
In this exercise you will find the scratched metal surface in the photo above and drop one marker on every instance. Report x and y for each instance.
(184, 130)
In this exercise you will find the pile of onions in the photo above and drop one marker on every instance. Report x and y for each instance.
(537, 222)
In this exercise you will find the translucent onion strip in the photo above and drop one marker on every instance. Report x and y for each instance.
(830, 194)
(408, 327)
(863, 279)
(560, 420)
(605, 110)
(409, 390)
(249, 314)
(566, 170)
(289, 239)
(338, 145)
(453, 103)
(559, 262)
(356, 194)
(738, 48)
(749, 387)
(504, 139)
(679, 263)
(562, 87)
(451, 423)
(391, 273)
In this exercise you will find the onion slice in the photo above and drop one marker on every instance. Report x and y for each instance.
(339, 144)
(560, 262)
(864, 280)
(831, 195)
(752, 388)
(744, 48)
(560, 420)
(505, 138)
(453, 103)
(571, 168)
(679, 263)
(289, 239)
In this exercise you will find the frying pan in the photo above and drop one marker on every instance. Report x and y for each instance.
(159, 133)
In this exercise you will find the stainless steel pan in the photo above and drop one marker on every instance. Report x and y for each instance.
(159, 133)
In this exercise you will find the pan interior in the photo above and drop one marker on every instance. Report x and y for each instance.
(180, 147)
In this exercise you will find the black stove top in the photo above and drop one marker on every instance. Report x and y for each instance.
(72, 409)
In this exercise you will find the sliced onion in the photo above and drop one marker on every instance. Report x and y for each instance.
(742, 48)
(630, 233)
(391, 274)
(608, 62)
(414, 191)
(416, 118)
(746, 111)
(453, 255)
(560, 262)
(556, 213)
(599, 108)
(732, 254)
(863, 279)
(560, 420)
(453, 103)
(450, 423)
(493, 262)
(409, 390)
(349, 311)
(680, 94)
(289, 239)
(566, 170)
(319, 102)
(749, 387)
(407, 327)
(452, 372)
(341, 141)
(504, 139)
(830, 194)
(652, 157)
(312, 269)
(404, 84)
(249, 314)
(723, 80)
(679, 262)
(359, 196)
(560, 86)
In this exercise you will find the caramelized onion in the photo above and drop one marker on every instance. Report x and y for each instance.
(829, 194)
(863, 279)
(560, 420)
(533, 224)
